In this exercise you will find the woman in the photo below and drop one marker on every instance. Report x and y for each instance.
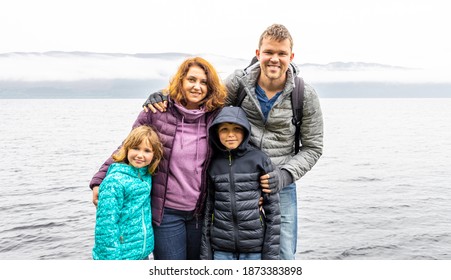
(179, 186)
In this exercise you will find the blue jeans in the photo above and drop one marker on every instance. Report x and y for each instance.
(178, 236)
(289, 222)
(222, 255)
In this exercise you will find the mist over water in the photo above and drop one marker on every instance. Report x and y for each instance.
(381, 190)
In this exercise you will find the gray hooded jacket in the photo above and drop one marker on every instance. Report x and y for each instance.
(275, 136)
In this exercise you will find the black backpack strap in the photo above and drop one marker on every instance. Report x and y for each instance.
(297, 103)
(241, 91)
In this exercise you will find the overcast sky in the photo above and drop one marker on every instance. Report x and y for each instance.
(411, 33)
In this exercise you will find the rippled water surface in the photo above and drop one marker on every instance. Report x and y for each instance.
(381, 190)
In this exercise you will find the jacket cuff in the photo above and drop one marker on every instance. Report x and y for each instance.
(287, 178)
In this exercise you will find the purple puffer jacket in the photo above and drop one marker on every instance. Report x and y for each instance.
(166, 125)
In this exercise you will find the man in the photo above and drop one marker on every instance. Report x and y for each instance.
(267, 104)
(269, 84)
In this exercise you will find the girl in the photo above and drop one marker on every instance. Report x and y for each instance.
(123, 220)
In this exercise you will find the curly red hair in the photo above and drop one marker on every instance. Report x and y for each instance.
(216, 94)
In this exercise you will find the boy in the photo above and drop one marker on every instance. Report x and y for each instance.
(234, 226)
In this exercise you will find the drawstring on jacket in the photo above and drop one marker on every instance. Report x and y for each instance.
(197, 141)
(183, 131)
(197, 145)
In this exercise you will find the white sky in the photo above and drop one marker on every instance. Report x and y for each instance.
(411, 33)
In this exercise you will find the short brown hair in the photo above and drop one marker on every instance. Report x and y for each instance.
(216, 90)
(134, 139)
(276, 32)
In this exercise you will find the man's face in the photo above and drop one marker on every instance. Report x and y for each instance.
(275, 57)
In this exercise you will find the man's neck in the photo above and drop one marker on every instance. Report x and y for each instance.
(271, 86)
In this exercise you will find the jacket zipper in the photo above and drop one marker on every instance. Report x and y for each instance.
(233, 204)
(144, 233)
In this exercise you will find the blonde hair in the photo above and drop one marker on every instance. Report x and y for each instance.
(276, 32)
(134, 139)
(216, 94)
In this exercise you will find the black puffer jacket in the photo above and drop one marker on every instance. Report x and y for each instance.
(233, 220)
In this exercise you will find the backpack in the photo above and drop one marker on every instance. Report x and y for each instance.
(297, 102)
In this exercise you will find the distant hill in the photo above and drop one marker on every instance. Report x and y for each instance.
(58, 74)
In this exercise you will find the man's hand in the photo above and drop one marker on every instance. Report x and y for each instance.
(275, 180)
(156, 101)
(95, 195)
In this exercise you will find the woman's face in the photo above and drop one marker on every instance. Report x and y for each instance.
(195, 87)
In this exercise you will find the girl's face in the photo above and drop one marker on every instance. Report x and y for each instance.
(141, 155)
(195, 87)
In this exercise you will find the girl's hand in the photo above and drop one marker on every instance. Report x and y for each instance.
(95, 195)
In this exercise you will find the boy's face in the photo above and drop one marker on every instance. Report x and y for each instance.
(231, 135)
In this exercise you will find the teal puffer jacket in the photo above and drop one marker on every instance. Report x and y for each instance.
(123, 228)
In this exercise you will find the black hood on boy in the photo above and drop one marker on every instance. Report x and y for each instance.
(234, 115)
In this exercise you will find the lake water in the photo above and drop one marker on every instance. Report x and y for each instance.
(381, 190)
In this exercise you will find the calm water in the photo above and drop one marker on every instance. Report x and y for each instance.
(382, 189)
